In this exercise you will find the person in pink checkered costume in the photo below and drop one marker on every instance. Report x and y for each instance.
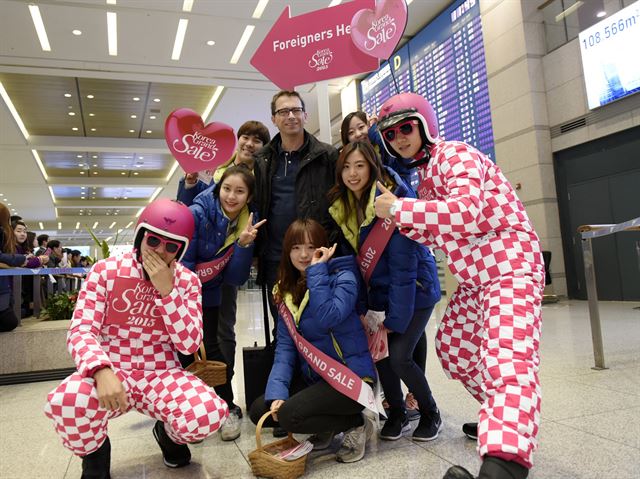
(134, 313)
(490, 333)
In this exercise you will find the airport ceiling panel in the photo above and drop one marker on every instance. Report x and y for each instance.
(127, 213)
(65, 163)
(107, 192)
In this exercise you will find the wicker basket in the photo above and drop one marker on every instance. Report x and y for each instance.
(264, 463)
(213, 373)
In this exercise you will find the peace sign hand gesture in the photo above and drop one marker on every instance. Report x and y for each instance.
(322, 254)
(383, 202)
(248, 235)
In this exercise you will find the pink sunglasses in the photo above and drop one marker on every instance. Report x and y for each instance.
(170, 246)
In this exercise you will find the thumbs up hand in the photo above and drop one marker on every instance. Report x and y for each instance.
(383, 202)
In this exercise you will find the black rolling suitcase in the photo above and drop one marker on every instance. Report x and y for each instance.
(257, 360)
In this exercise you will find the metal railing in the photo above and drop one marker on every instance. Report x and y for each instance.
(17, 274)
(588, 232)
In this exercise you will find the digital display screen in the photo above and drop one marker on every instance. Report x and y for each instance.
(447, 66)
(609, 51)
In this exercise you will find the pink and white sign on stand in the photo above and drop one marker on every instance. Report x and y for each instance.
(313, 47)
(197, 146)
(378, 32)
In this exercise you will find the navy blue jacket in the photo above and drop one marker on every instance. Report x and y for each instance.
(328, 321)
(406, 277)
(211, 240)
(188, 195)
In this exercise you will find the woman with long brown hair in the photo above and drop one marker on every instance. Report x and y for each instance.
(316, 298)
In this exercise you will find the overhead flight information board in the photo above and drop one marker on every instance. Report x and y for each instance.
(379, 86)
(447, 66)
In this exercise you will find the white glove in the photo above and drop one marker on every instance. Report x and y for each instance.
(373, 320)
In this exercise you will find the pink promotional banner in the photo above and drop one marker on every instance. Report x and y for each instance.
(197, 146)
(209, 270)
(378, 32)
(132, 304)
(336, 374)
(313, 47)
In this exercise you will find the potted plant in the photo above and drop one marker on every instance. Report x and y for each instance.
(60, 306)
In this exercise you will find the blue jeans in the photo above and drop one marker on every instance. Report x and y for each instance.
(400, 365)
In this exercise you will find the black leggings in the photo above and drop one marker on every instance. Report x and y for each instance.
(312, 410)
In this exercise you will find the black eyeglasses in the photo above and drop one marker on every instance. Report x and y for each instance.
(153, 241)
(405, 128)
(285, 111)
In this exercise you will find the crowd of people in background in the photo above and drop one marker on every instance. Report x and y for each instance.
(341, 238)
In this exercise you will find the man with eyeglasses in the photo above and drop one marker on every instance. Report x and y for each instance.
(294, 172)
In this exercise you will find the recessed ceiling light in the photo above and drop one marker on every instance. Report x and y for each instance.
(601, 14)
(94, 156)
(152, 117)
(135, 98)
(138, 166)
(135, 172)
(78, 156)
(9, 204)
(75, 128)
(39, 26)
(92, 114)
(134, 116)
(132, 131)
(141, 157)
(157, 100)
(80, 164)
(68, 95)
(149, 131)
(72, 113)
(112, 33)
(90, 97)
(93, 129)
(95, 166)
(125, 197)
(211, 43)
(123, 173)
(82, 172)
(95, 172)
(77, 32)
(82, 188)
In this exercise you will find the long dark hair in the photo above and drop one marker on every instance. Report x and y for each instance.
(344, 127)
(377, 173)
(9, 243)
(242, 170)
(290, 280)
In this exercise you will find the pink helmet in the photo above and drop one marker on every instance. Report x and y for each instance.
(408, 105)
(168, 218)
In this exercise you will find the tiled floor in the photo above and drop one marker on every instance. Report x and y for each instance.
(590, 419)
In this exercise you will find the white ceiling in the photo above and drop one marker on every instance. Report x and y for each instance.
(112, 164)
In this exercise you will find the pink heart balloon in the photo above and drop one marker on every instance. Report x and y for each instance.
(378, 32)
(198, 147)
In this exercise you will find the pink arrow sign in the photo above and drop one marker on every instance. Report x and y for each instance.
(312, 47)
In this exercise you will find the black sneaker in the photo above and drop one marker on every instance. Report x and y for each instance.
(470, 429)
(279, 432)
(457, 472)
(174, 455)
(396, 424)
(96, 465)
(429, 426)
(492, 468)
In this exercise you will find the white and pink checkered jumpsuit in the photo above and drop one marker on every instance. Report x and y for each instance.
(146, 363)
(490, 333)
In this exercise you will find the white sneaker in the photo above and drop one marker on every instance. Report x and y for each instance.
(230, 429)
(355, 441)
(321, 441)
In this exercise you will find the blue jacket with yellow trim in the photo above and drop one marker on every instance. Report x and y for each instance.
(329, 321)
(211, 240)
(406, 277)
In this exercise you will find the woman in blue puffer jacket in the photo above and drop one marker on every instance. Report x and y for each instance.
(220, 252)
(321, 295)
(403, 283)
